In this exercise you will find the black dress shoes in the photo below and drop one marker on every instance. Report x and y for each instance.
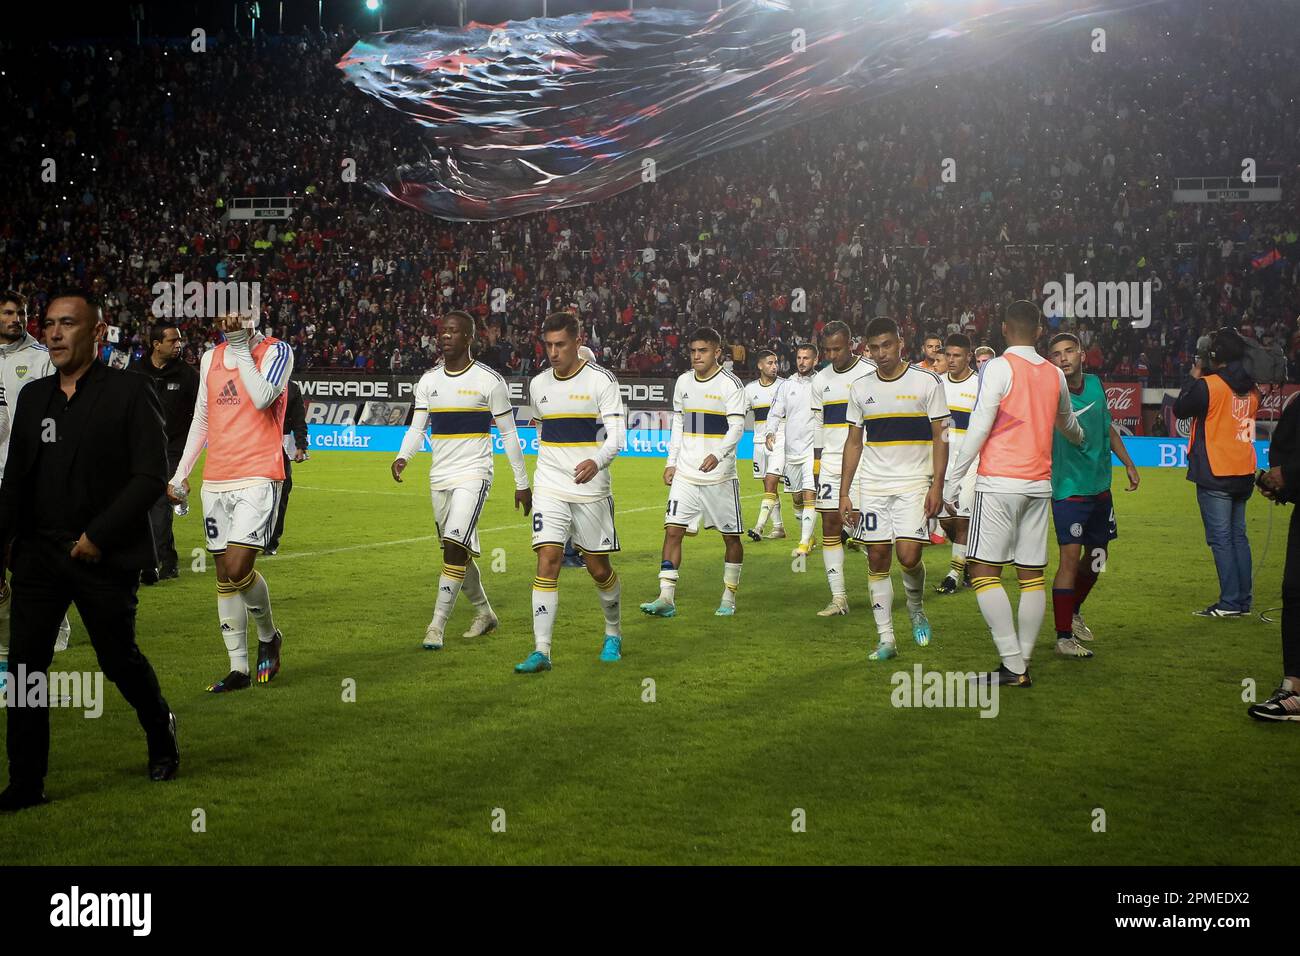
(165, 754)
(20, 798)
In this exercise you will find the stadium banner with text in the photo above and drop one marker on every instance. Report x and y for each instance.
(1125, 402)
(653, 443)
(339, 399)
(641, 442)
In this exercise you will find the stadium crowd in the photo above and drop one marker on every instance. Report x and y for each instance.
(1064, 163)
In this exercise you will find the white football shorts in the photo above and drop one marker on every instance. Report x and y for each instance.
(244, 517)
(589, 523)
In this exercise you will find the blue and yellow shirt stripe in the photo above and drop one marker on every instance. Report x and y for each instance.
(571, 430)
(458, 422)
(897, 430)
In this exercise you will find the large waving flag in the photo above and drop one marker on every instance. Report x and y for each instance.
(550, 112)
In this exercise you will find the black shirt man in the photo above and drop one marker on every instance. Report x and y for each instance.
(86, 461)
(177, 386)
(295, 424)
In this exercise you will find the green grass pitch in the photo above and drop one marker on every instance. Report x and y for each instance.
(754, 717)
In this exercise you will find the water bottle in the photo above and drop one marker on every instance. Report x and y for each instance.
(183, 508)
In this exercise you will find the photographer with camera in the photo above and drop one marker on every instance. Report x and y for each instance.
(1221, 400)
(1281, 484)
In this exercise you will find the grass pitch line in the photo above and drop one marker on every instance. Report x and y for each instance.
(427, 537)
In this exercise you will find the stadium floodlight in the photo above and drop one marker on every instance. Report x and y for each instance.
(377, 6)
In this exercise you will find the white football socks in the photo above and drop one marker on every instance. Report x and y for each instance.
(882, 604)
(257, 600)
(958, 565)
(472, 588)
(233, 615)
(833, 558)
(668, 585)
(610, 592)
(730, 583)
(996, 608)
(449, 585)
(546, 599)
(1029, 615)
(807, 523)
(914, 585)
(765, 511)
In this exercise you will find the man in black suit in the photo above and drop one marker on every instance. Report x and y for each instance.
(87, 459)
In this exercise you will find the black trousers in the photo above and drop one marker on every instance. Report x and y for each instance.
(284, 504)
(45, 581)
(160, 516)
(1291, 599)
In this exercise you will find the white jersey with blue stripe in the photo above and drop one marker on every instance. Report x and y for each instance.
(830, 396)
(961, 397)
(707, 407)
(897, 437)
(24, 361)
(759, 399)
(457, 409)
(574, 415)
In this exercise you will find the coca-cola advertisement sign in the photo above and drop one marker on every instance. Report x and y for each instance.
(1273, 399)
(1124, 399)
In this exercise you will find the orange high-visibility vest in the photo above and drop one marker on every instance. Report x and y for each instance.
(242, 441)
(1229, 432)
(1020, 443)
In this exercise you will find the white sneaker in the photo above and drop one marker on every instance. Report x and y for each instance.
(775, 533)
(433, 638)
(1081, 631)
(839, 605)
(485, 622)
(65, 634)
(1069, 647)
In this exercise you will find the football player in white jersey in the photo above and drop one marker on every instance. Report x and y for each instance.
(961, 386)
(759, 397)
(791, 418)
(22, 360)
(830, 399)
(457, 402)
(708, 422)
(582, 427)
(902, 410)
(239, 419)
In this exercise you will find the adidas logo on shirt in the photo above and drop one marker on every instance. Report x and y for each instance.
(543, 401)
(229, 395)
(870, 400)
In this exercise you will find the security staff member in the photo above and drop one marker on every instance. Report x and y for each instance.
(86, 461)
(177, 385)
(1222, 402)
(295, 424)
